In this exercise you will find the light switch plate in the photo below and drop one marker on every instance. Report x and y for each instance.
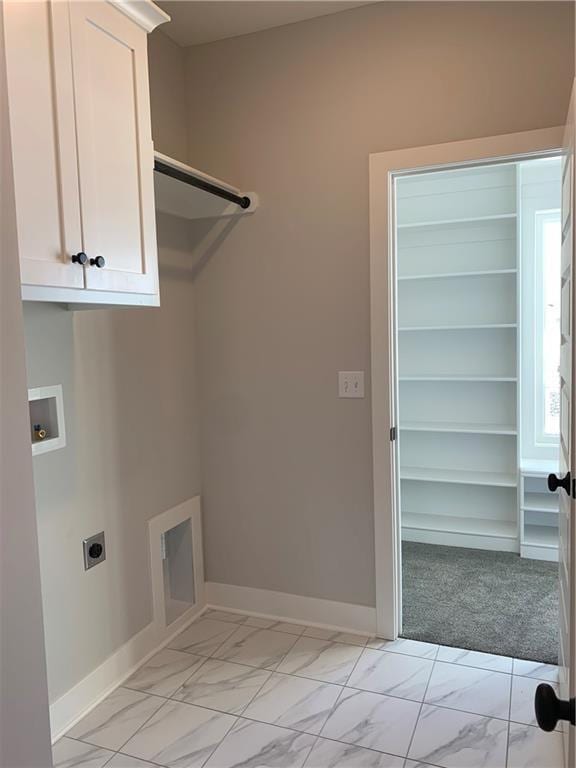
(350, 383)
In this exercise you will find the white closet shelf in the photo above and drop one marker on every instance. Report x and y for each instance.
(463, 427)
(455, 377)
(540, 502)
(473, 327)
(456, 329)
(453, 524)
(192, 194)
(458, 476)
(444, 275)
(541, 536)
(538, 467)
(446, 222)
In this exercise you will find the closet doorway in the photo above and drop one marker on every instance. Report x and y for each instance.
(478, 340)
(473, 349)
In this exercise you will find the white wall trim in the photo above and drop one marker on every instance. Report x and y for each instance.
(383, 167)
(313, 611)
(91, 690)
(454, 539)
(157, 526)
(70, 708)
(85, 695)
(144, 12)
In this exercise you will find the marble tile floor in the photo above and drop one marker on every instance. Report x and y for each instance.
(234, 691)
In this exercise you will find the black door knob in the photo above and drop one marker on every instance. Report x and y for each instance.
(550, 709)
(99, 262)
(79, 258)
(554, 482)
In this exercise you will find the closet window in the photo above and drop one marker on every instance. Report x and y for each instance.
(547, 326)
(539, 283)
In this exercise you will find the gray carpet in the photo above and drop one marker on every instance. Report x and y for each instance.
(495, 602)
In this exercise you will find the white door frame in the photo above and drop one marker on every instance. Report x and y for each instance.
(384, 167)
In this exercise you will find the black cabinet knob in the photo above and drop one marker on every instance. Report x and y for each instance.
(79, 258)
(554, 482)
(550, 709)
(99, 262)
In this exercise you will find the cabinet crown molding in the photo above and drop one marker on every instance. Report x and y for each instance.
(144, 12)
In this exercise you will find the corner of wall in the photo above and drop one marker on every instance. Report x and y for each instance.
(168, 95)
(24, 725)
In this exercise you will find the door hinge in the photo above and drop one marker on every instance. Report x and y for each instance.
(392, 434)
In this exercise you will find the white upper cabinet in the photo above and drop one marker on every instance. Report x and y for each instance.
(82, 149)
(43, 150)
(115, 153)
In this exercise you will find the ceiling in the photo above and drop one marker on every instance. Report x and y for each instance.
(199, 21)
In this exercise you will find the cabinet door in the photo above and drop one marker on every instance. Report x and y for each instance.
(115, 152)
(43, 143)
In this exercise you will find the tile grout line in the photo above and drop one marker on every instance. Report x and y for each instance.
(509, 716)
(334, 706)
(333, 709)
(258, 722)
(237, 716)
(226, 661)
(232, 726)
(294, 730)
(317, 736)
(255, 696)
(106, 749)
(297, 677)
(338, 685)
(365, 647)
(311, 750)
(305, 627)
(166, 701)
(89, 744)
(507, 756)
(421, 705)
(255, 629)
(204, 660)
(239, 624)
(342, 686)
(125, 754)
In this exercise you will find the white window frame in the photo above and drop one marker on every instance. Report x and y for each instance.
(543, 438)
(538, 197)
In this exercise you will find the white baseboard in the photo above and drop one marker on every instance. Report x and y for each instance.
(66, 711)
(313, 611)
(468, 540)
(86, 694)
(91, 690)
(535, 552)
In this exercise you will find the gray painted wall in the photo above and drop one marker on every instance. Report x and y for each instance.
(167, 71)
(280, 303)
(283, 303)
(130, 407)
(24, 722)
(132, 444)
